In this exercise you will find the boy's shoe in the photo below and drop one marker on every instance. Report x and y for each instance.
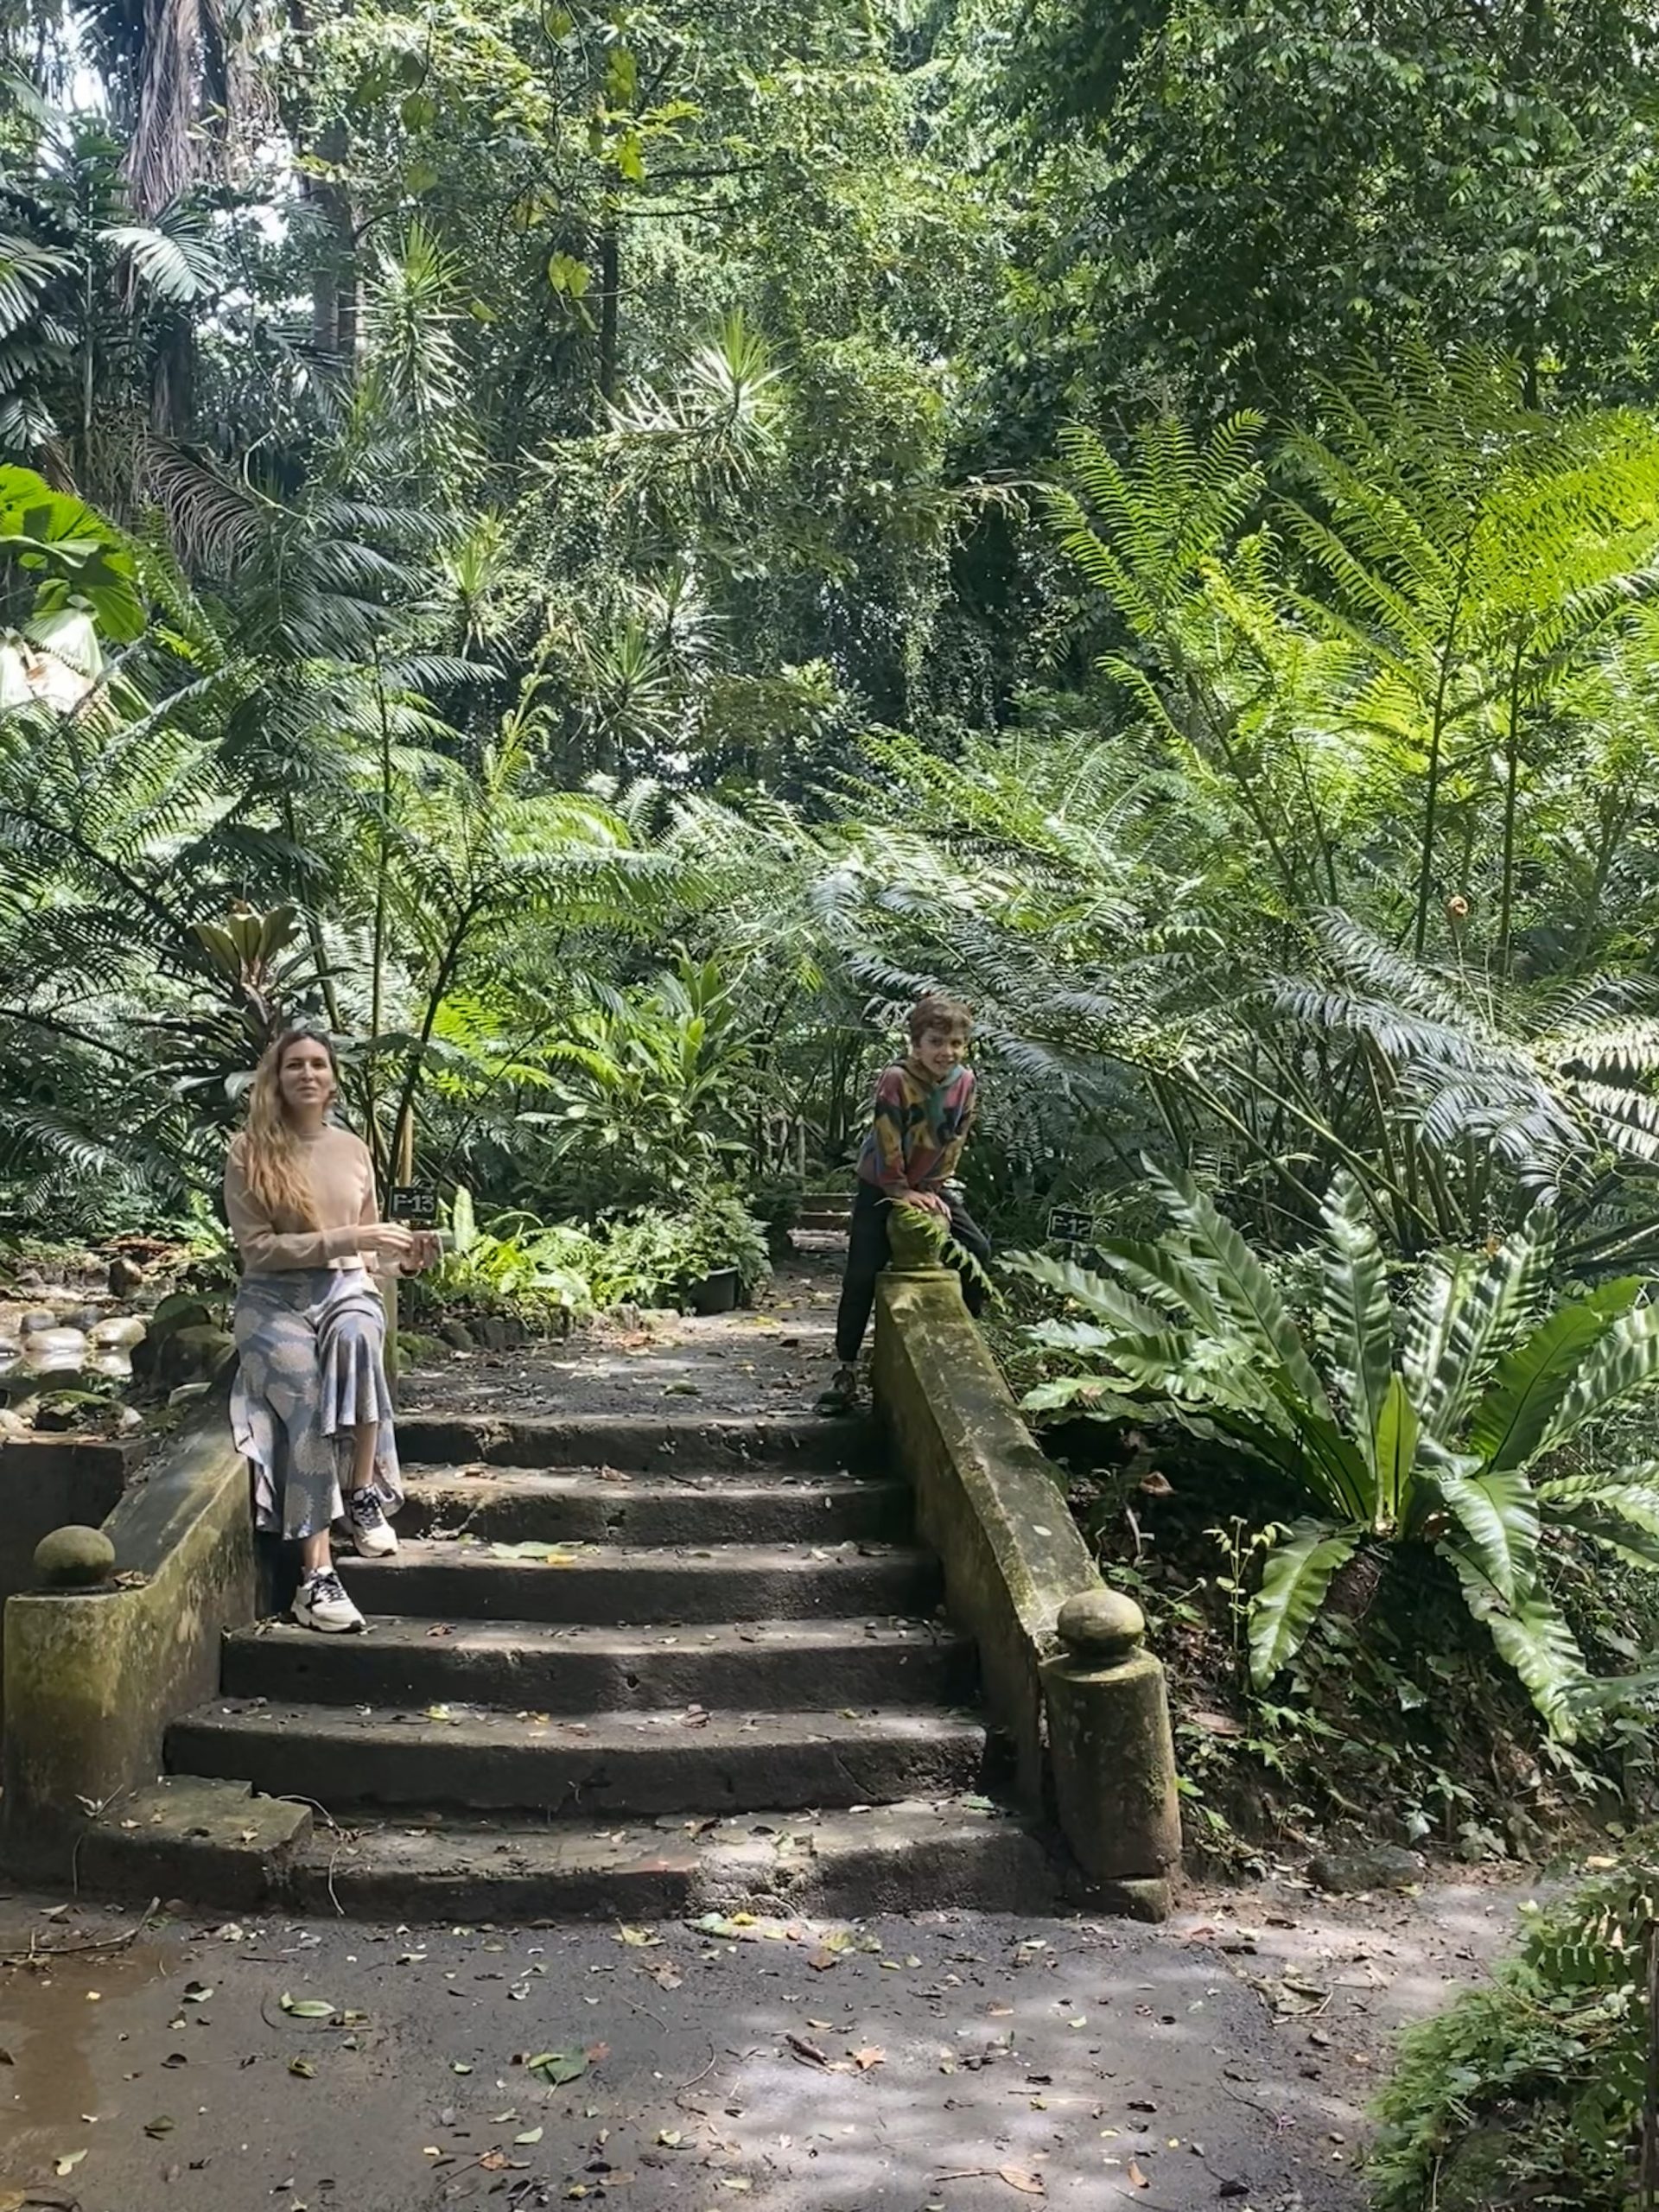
(371, 1534)
(320, 1603)
(841, 1396)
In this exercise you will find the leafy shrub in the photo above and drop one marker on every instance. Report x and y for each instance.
(555, 1268)
(1438, 1426)
(653, 1255)
(1530, 2090)
(535, 1267)
(651, 1092)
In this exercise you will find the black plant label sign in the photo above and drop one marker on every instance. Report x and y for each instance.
(415, 1205)
(1066, 1227)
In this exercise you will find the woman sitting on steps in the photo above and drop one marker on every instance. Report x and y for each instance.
(311, 1409)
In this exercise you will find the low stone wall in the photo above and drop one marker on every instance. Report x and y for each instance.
(92, 1677)
(45, 1482)
(1065, 1676)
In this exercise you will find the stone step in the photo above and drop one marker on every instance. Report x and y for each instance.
(610, 1585)
(583, 1505)
(910, 1857)
(802, 1666)
(609, 1764)
(214, 1844)
(699, 1443)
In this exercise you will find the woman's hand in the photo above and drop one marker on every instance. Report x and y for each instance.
(386, 1240)
(427, 1252)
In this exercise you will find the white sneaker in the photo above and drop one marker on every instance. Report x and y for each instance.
(320, 1603)
(371, 1533)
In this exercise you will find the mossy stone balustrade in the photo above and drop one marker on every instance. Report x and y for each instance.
(1065, 1673)
(119, 1635)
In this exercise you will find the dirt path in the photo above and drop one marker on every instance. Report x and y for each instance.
(973, 2062)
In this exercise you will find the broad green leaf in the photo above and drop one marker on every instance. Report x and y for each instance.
(1393, 1451)
(1498, 1306)
(1509, 1423)
(1072, 1335)
(82, 560)
(1331, 1467)
(1633, 1542)
(1356, 1297)
(1498, 1516)
(1533, 1638)
(1298, 1575)
(1109, 1301)
(1635, 1488)
(1624, 1362)
(1245, 1291)
(1441, 1289)
(1167, 1277)
(1620, 1509)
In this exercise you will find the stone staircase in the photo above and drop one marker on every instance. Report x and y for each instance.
(631, 1667)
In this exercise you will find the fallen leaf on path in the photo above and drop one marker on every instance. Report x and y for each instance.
(1137, 2179)
(306, 2008)
(639, 1939)
(807, 2052)
(869, 2057)
(163, 2124)
(530, 2135)
(305, 2068)
(66, 2163)
(556, 2067)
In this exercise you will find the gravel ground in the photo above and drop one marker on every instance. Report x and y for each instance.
(952, 2060)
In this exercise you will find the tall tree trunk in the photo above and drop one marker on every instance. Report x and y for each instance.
(610, 279)
(334, 281)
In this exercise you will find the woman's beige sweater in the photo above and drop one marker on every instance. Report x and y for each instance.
(342, 1188)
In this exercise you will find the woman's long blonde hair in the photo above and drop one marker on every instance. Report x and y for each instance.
(271, 1160)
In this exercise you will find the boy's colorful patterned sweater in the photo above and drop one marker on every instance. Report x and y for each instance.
(918, 1128)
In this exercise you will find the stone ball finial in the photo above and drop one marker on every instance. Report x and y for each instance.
(1101, 1627)
(74, 1559)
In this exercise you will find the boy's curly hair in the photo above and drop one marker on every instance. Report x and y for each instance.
(929, 1015)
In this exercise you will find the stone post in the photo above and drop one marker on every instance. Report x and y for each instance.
(1113, 1757)
(913, 1250)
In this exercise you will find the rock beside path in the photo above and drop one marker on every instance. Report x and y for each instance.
(1367, 1866)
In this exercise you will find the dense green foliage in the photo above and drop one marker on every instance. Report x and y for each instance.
(600, 549)
(1534, 2089)
(1426, 1426)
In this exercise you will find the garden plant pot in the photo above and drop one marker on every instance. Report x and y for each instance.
(713, 1293)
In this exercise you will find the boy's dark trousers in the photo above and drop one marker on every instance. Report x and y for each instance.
(868, 1252)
